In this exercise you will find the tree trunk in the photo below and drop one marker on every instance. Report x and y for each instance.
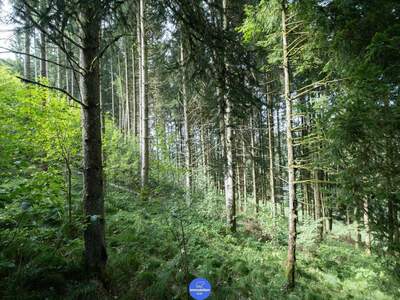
(291, 261)
(58, 68)
(271, 151)
(112, 90)
(228, 174)
(358, 233)
(318, 206)
(366, 226)
(186, 125)
(27, 61)
(204, 152)
(348, 221)
(127, 106)
(67, 84)
(244, 174)
(134, 104)
(391, 221)
(93, 198)
(43, 53)
(69, 189)
(72, 82)
(36, 61)
(144, 143)
(253, 162)
(279, 158)
(330, 212)
(121, 96)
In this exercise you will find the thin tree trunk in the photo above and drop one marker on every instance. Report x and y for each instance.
(144, 143)
(358, 233)
(134, 104)
(58, 68)
(120, 97)
(112, 89)
(67, 84)
(69, 189)
(35, 47)
(330, 212)
(271, 152)
(318, 206)
(366, 226)
(391, 221)
(72, 82)
(279, 158)
(186, 136)
(43, 54)
(244, 174)
(253, 162)
(127, 107)
(348, 221)
(204, 154)
(291, 261)
(27, 61)
(139, 54)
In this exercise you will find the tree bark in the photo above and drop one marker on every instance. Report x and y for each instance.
(186, 125)
(253, 162)
(204, 152)
(134, 99)
(144, 139)
(43, 53)
(271, 151)
(318, 206)
(366, 226)
(58, 68)
(93, 197)
(228, 174)
(280, 193)
(127, 120)
(112, 89)
(291, 261)
(27, 61)
(244, 174)
(121, 96)
(36, 61)
(357, 225)
(43, 63)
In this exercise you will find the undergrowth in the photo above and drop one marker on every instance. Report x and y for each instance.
(156, 247)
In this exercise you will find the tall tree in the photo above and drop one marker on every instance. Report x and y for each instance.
(187, 152)
(93, 196)
(27, 60)
(144, 106)
(228, 124)
(291, 260)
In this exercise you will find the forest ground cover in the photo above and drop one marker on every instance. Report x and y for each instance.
(148, 259)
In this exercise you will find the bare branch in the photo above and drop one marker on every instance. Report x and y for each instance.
(7, 50)
(53, 88)
(101, 53)
(314, 86)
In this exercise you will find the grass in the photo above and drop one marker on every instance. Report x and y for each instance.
(157, 247)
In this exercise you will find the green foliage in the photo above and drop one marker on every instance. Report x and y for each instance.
(155, 247)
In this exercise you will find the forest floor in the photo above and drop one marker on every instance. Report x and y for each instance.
(155, 247)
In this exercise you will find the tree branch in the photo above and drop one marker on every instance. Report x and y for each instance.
(7, 50)
(53, 88)
(101, 53)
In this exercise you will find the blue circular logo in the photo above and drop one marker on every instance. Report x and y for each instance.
(200, 289)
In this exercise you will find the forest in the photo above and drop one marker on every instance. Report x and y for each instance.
(252, 144)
